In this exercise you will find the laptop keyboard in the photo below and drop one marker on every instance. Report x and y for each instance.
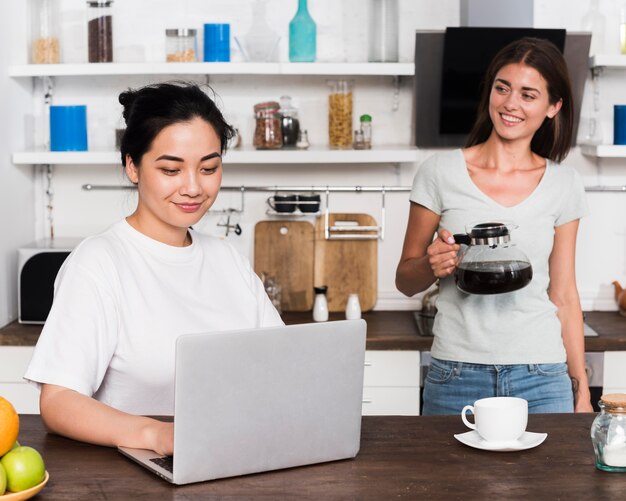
(165, 462)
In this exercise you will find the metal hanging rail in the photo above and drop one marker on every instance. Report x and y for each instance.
(324, 189)
(273, 188)
(334, 232)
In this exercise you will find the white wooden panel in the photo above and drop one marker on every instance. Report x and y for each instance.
(13, 362)
(382, 401)
(392, 368)
(23, 396)
(614, 371)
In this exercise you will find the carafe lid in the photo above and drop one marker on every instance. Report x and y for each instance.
(489, 230)
(321, 289)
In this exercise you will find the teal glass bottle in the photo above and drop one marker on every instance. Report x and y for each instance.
(302, 36)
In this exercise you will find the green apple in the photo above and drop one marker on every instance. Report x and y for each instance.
(3, 480)
(24, 468)
(15, 445)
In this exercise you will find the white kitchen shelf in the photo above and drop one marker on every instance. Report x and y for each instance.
(608, 61)
(98, 69)
(314, 155)
(603, 150)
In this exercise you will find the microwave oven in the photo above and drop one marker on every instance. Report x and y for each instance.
(38, 265)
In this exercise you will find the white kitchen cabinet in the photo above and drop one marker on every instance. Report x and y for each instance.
(391, 384)
(614, 372)
(13, 363)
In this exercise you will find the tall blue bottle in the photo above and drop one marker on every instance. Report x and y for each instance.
(302, 36)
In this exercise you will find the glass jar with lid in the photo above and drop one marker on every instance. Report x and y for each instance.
(366, 128)
(290, 124)
(340, 114)
(45, 47)
(180, 45)
(267, 133)
(100, 31)
(608, 433)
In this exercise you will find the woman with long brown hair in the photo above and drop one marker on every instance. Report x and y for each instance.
(526, 343)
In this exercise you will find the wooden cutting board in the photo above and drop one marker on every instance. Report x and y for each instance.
(346, 266)
(284, 250)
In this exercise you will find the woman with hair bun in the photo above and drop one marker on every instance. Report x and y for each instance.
(527, 343)
(105, 357)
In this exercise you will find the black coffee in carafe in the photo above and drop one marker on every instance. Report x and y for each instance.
(493, 277)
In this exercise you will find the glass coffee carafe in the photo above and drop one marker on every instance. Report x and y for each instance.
(490, 263)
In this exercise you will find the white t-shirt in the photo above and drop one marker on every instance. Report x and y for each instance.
(121, 300)
(519, 327)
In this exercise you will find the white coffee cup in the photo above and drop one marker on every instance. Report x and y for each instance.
(498, 419)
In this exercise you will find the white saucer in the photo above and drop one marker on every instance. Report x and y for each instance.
(527, 441)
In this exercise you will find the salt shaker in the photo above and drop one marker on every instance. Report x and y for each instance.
(608, 433)
(320, 306)
(353, 307)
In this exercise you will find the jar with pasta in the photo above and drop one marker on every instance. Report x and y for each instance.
(45, 47)
(267, 133)
(340, 114)
(180, 45)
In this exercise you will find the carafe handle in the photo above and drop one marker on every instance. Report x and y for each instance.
(462, 238)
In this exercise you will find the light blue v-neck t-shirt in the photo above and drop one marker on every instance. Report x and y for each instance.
(519, 327)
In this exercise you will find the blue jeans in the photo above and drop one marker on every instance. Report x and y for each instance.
(449, 386)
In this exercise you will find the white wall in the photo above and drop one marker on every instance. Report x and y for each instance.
(342, 31)
(17, 206)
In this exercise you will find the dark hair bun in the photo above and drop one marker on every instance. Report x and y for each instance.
(126, 99)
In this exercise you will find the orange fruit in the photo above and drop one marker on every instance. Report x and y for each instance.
(9, 426)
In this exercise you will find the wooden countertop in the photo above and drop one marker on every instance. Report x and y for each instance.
(387, 330)
(400, 457)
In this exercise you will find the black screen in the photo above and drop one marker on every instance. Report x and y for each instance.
(37, 285)
(467, 53)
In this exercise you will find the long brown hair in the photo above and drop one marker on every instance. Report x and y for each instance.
(554, 138)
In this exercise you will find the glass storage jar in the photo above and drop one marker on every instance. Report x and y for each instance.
(340, 114)
(180, 45)
(45, 48)
(366, 128)
(608, 433)
(267, 133)
(290, 125)
(100, 30)
(383, 32)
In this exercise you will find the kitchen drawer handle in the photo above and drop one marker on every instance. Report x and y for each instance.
(368, 363)
(367, 400)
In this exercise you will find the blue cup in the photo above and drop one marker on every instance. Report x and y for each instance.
(216, 43)
(68, 128)
(619, 124)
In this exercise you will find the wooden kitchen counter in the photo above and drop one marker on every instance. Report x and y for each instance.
(400, 457)
(387, 330)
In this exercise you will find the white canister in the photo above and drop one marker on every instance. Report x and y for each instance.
(353, 307)
(320, 306)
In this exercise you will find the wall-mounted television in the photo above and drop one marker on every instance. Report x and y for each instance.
(449, 68)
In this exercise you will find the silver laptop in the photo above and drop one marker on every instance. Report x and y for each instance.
(263, 399)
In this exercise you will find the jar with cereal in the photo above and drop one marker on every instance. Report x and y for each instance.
(267, 133)
(340, 114)
(180, 45)
(45, 48)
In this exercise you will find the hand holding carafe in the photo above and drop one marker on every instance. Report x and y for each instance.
(442, 254)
